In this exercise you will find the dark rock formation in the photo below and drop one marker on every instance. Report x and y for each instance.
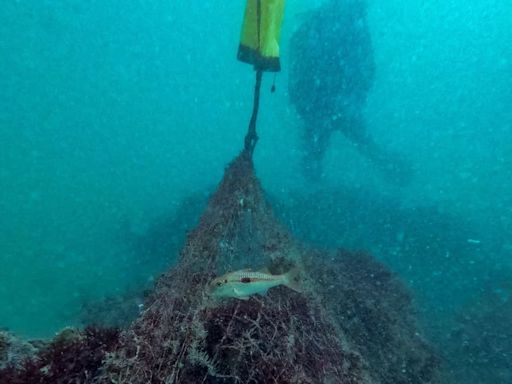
(352, 323)
(72, 357)
(479, 347)
(13, 350)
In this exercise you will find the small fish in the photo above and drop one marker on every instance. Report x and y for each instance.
(244, 283)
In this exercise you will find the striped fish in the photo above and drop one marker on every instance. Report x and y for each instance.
(245, 283)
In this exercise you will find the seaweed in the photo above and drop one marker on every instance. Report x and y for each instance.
(375, 313)
(283, 337)
(72, 357)
(352, 323)
(13, 350)
(4, 347)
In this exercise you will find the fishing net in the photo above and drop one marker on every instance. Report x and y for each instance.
(351, 323)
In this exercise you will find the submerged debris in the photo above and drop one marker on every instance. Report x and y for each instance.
(351, 323)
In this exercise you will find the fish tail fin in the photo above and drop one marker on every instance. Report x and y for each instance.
(293, 279)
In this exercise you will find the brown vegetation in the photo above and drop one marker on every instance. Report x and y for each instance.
(351, 324)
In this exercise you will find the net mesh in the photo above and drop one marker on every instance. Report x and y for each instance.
(351, 324)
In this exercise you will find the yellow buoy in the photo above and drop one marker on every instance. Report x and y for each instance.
(261, 30)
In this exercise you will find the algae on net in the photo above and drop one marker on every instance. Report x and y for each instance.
(284, 336)
(351, 324)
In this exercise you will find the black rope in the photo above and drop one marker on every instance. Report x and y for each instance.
(251, 138)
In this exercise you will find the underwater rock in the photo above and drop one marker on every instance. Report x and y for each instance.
(14, 350)
(352, 323)
(373, 310)
(479, 347)
(4, 346)
(71, 357)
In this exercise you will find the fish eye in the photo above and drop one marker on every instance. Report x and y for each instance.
(226, 281)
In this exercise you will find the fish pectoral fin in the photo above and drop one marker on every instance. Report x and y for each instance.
(239, 294)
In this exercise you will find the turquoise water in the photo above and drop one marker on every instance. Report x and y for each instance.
(114, 113)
